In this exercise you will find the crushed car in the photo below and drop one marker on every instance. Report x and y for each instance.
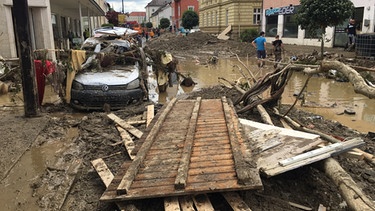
(111, 75)
(112, 70)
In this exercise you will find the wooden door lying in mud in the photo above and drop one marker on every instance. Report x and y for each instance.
(191, 147)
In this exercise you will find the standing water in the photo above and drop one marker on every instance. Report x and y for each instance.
(324, 97)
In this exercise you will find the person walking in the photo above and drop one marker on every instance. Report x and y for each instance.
(260, 44)
(278, 47)
(352, 32)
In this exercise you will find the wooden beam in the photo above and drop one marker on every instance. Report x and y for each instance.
(242, 167)
(137, 133)
(333, 148)
(128, 141)
(102, 169)
(171, 204)
(150, 114)
(202, 203)
(130, 174)
(182, 172)
(186, 203)
(235, 201)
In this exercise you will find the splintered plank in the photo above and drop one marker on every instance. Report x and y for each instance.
(137, 133)
(182, 172)
(150, 114)
(102, 169)
(203, 203)
(242, 167)
(128, 141)
(171, 204)
(235, 201)
(128, 178)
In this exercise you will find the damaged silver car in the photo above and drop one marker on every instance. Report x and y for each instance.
(111, 76)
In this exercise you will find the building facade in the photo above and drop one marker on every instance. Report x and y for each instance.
(52, 23)
(164, 11)
(279, 18)
(139, 17)
(217, 15)
(153, 6)
(179, 7)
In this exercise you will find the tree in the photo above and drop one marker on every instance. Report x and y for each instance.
(164, 23)
(317, 14)
(112, 17)
(149, 25)
(190, 19)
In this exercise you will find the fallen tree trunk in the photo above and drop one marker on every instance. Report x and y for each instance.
(354, 77)
(353, 195)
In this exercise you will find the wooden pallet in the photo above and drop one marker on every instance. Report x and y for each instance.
(192, 147)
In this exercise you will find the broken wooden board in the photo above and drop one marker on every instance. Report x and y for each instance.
(296, 149)
(292, 143)
(212, 168)
(137, 133)
(150, 114)
(235, 201)
(128, 141)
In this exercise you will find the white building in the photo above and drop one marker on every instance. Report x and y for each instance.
(51, 23)
(164, 11)
(278, 18)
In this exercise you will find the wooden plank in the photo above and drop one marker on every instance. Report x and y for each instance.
(128, 178)
(211, 170)
(102, 169)
(150, 114)
(242, 167)
(235, 201)
(333, 148)
(171, 204)
(202, 203)
(209, 163)
(137, 133)
(183, 168)
(128, 141)
(186, 203)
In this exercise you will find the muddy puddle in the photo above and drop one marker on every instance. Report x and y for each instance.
(16, 190)
(325, 97)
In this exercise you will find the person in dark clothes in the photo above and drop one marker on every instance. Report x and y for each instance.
(278, 48)
(352, 33)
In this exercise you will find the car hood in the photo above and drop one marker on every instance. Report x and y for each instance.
(117, 76)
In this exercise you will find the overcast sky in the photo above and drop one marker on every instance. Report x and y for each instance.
(129, 6)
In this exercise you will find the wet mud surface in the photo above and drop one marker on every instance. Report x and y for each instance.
(69, 182)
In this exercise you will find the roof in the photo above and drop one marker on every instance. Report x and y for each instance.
(137, 14)
(158, 3)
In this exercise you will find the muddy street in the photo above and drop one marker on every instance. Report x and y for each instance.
(46, 162)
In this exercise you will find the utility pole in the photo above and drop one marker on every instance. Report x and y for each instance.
(29, 89)
(122, 6)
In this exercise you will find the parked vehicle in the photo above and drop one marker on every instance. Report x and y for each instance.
(110, 76)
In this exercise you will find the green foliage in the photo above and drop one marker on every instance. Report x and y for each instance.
(164, 23)
(318, 14)
(149, 25)
(143, 24)
(249, 35)
(190, 19)
(112, 17)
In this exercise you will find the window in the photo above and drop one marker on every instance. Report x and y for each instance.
(271, 25)
(256, 16)
(290, 26)
(191, 8)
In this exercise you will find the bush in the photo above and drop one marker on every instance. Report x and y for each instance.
(164, 23)
(249, 35)
(149, 25)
